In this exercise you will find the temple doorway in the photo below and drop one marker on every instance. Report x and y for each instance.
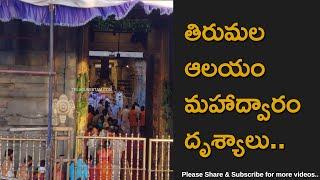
(126, 75)
(117, 92)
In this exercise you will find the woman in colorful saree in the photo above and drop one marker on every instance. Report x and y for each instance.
(103, 168)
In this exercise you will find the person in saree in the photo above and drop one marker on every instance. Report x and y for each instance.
(103, 168)
(7, 170)
(59, 174)
(81, 170)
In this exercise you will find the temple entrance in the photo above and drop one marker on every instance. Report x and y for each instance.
(117, 92)
(126, 75)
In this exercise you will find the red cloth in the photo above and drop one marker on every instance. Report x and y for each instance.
(104, 167)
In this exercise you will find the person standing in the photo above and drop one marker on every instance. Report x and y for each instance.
(138, 109)
(100, 106)
(104, 165)
(25, 169)
(118, 147)
(125, 124)
(92, 142)
(114, 110)
(119, 99)
(7, 169)
(41, 170)
(90, 114)
(80, 172)
(59, 175)
(133, 120)
(119, 116)
(142, 121)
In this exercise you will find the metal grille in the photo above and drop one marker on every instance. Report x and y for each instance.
(120, 157)
(113, 157)
(159, 167)
(22, 157)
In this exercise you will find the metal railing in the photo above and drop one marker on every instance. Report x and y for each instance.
(114, 157)
(124, 157)
(22, 157)
(159, 166)
(23, 152)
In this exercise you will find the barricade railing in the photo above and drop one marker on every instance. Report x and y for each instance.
(23, 153)
(113, 157)
(22, 157)
(159, 165)
(123, 157)
(62, 152)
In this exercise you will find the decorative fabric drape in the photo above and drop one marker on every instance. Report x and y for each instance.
(76, 12)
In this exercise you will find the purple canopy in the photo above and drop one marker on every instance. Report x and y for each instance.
(67, 15)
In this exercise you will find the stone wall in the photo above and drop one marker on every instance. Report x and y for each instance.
(24, 46)
(158, 51)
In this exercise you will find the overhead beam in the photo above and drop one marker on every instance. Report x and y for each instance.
(114, 54)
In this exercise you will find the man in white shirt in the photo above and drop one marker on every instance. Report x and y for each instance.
(114, 110)
(119, 99)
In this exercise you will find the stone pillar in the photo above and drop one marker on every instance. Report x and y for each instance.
(161, 78)
(164, 79)
(149, 95)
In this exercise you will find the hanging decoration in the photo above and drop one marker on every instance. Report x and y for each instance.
(76, 13)
(82, 102)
